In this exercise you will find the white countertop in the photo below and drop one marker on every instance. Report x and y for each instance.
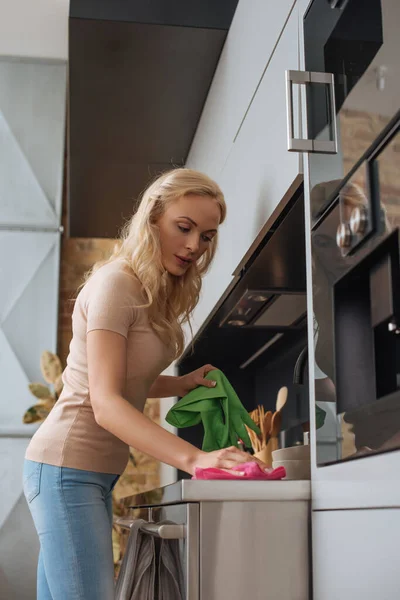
(189, 490)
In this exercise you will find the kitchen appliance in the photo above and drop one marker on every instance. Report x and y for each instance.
(237, 539)
(352, 94)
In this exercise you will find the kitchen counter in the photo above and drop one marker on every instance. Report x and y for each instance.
(237, 539)
(189, 490)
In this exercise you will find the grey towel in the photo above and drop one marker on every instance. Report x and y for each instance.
(170, 573)
(136, 579)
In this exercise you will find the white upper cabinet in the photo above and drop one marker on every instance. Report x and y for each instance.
(242, 137)
(260, 169)
(254, 32)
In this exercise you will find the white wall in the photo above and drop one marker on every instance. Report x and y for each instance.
(34, 28)
(33, 56)
(32, 127)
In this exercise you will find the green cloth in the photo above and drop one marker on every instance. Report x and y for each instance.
(219, 409)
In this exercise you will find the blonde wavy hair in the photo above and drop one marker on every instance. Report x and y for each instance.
(170, 299)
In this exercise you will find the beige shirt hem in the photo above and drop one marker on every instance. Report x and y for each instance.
(98, 465)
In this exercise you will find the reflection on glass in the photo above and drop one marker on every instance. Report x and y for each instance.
(329, 264)
(364, 61)
(389, 181)
(356, 219)
(372, 427)
(358, 131)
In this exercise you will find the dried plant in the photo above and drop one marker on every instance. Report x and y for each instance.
(50, 366)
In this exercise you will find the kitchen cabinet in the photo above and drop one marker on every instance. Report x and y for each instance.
(355, 554)
(254, 32)
(236, 539)
(258, 170)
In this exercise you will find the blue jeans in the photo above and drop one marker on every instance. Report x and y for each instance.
(72, 512)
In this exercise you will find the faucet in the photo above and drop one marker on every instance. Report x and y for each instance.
(299, 368)
(298, 380)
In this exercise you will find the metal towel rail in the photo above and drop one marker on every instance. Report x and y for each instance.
(159, 530)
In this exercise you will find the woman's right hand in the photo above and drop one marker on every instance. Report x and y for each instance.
(227, 458)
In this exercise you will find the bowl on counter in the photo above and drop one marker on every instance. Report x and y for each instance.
(292, 453)
(296, 461)
(295, 469)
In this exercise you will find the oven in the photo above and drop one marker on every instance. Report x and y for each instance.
(352, 97)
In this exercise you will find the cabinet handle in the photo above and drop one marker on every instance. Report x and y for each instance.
(307, 145)
(160, 530)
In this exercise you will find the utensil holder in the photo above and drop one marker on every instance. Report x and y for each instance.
(265, 454)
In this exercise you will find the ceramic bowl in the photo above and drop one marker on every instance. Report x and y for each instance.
(295, 469)
(292, 453)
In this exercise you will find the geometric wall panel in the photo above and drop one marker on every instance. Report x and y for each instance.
(32, 124)
(29, 325)
(32, 132)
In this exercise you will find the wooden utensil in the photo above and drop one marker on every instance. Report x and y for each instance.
(281, 398)
(253, 439)
(261, 419)
(267, 426)
(275, 429)
(255, 442)
(276, 424)
(255, 416)
(264, 455)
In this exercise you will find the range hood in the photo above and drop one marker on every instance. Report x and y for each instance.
(266, 308)
(139, 74)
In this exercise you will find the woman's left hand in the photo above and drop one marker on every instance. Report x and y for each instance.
(189, 382)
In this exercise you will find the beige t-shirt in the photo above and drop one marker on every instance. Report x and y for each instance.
(70, 436)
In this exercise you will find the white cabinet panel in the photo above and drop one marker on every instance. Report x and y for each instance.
(258, 172)
(260, 169)
(254, 31)
(355, 554)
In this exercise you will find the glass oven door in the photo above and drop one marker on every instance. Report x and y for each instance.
(355, 210)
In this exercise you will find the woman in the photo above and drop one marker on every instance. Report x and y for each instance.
(127, 327)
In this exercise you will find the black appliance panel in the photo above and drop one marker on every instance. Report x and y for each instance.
(356, 299)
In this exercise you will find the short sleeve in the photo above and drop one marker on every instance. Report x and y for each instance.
(111, 303)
